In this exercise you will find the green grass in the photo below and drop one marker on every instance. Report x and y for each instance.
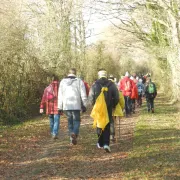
(156, 150)
(153, 152)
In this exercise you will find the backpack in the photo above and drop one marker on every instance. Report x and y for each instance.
(105, 92)
(50, 95)
(151, 88)
(140, 88)
(100, 112)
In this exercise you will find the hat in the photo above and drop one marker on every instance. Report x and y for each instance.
(102, 73)
(111, 77)
(132, 78)
(127, 74)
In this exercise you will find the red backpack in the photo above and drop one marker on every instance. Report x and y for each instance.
(50, 95)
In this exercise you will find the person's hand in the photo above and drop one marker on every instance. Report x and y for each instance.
(41, 111)
(60, 112)
(83, 109)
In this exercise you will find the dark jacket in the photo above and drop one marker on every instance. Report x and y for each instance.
(111, 97)
(147, 94)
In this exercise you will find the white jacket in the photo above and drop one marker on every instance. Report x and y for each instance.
(72, 94)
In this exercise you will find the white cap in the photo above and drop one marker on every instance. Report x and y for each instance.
(102, 73)
(127, 74)
(132, 78)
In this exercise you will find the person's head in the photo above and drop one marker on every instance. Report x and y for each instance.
(72, 71)
(127, 74)
(55, 77)
(111, 77)
(134, 75)
(148, 79)
(140, 80)
(148, 75)
(102, 73)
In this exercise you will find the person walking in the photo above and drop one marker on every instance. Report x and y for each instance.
(49, 101)
(111, 99)
(126, 86)
(117, 113)
(134, 94)
(86, 85)
(140, 87)
(72, 99)
(150, 94)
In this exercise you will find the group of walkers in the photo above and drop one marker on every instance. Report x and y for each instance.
(134, 88)
(109, 101)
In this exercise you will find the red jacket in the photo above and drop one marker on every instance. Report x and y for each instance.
(87, 88)
(134, 94)
(126, 86)
(51, 105)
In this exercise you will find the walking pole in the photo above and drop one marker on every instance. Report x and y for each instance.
(119, 127)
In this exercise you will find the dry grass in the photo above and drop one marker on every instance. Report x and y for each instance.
(151, 152)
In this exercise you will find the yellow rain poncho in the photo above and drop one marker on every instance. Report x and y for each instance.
(99, 112)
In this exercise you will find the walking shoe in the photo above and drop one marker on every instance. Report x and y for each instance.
(107, 148)
(74, 139)
(112, 138)
(98, 146)
(54, 137)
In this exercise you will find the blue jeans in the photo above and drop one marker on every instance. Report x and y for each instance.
(54, 123)
(73, 117)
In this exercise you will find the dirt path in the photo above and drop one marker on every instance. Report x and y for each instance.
(56, 159)
(149, 151)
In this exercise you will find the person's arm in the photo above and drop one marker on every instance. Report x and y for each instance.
(83, 93)
(146, 90)
(155, 92)
(115, 95)
(43, 101)
(91, 97)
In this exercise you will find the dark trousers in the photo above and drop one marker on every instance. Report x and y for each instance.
(127, 104)
(139, 101)
(133, 105)
(150, 103)
(104, 136)
(112, 127)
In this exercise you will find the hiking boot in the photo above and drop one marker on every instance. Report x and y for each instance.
(73, 139)
(107, 148)
(54, 137)
(152, 110)
(148, 110)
